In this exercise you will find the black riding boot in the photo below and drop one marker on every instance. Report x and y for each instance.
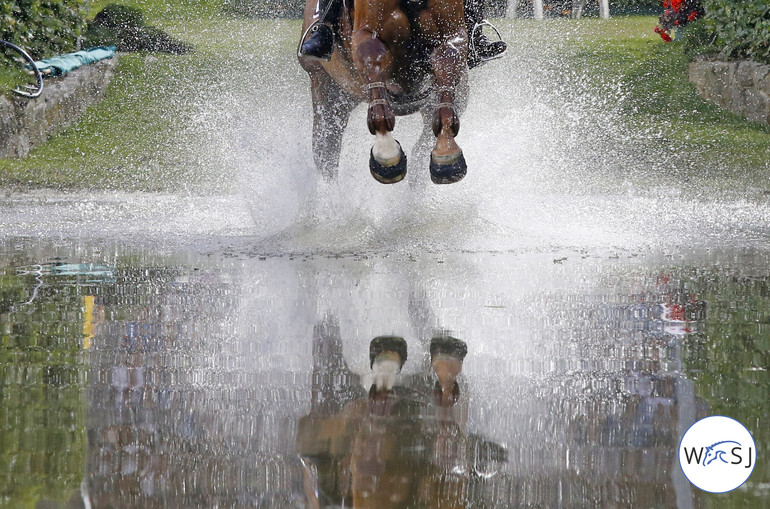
(480, 48)
(318, 41)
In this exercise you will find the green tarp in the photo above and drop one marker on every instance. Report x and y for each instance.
(57, 66)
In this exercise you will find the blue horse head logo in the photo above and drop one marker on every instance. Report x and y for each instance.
(717, 451)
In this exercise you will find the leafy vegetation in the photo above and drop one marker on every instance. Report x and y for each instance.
(739, 28)
(266, 8)
(657, 95)
(729, 364)
(42, 27)
(42, 411)
(148, 131)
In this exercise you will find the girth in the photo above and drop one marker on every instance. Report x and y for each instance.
(412, 7)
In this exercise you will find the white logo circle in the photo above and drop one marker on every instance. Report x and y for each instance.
(717, 454)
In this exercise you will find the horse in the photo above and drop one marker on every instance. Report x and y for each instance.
(401, 57)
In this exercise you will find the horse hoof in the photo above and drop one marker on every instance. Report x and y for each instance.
(448, 173)
(388, 174)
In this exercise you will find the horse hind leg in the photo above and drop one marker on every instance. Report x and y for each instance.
(331, 111)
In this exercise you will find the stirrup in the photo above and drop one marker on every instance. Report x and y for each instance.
(474, 51)
(315, 25)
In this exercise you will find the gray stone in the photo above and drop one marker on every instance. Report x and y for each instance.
(745, 72)
(741, 87)
(25, 122)
(764, 83)
(757, 105)
(761, 72)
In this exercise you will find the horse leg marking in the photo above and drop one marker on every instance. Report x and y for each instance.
(386, 149)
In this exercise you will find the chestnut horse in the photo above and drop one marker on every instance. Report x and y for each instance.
(401, 57)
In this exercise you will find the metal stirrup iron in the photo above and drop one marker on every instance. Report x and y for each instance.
(477, 31)
(36, 91)
(371, 86)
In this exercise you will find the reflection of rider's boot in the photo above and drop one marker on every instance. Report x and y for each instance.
(480, 48)
(446, 357)
(318, 41)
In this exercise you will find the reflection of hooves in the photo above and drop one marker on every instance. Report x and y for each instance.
(446, 399)
(448, 173)
(387, 355)
(448, 345)
(388, 174)
(382, 344)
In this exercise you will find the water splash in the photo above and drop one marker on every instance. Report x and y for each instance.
(552, 164)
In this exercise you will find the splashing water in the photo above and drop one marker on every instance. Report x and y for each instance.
(551, 165)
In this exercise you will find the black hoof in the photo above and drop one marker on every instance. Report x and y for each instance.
(448, 345)
(387, 344)
(388, 174)
(448, 173)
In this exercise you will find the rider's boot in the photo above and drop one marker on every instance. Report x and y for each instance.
(480, 48)
(318, 42)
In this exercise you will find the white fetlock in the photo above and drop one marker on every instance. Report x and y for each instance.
(386, 367)
(386, 150)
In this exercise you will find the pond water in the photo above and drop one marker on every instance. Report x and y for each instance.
(134, 376)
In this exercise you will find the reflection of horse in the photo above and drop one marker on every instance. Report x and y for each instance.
(399, 445)
(399, 56)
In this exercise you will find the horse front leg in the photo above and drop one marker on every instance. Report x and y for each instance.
(447, 164)
(331, 110)
(387, 161)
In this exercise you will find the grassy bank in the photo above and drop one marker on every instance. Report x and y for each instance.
(656, 92)
(150, 131)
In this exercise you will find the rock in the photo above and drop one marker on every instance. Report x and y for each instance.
(741, 87)
(29, 122)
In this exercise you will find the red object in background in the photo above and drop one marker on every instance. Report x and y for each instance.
(676, 14)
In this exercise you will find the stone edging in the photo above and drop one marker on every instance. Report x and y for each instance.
(25, 122)
(740, 87)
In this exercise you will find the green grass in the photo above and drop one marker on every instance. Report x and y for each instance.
(138, 137)
(654, 74)
(158, 10)
(643, 82)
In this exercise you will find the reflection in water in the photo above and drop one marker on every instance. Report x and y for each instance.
(245, 383)
(397, 446)
(42, 377)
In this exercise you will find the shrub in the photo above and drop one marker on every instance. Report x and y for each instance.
(740, 28)
(733, 28)
(42, 27)
(677, 14)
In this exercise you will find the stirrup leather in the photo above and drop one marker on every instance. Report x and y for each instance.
(474, 51)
